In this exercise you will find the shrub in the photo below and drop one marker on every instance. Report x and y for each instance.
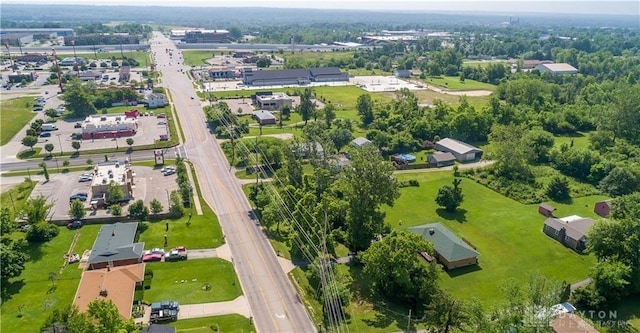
(42, 232)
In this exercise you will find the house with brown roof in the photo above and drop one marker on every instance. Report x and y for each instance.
(117, 284)
(602, 208)
(546, 209)
(571, 231)
(571, 323)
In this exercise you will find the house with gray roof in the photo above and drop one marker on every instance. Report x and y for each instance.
(440, 159)
(114, 246)
(463, 152)
(571, 231)
(451, 251)
(264, 117)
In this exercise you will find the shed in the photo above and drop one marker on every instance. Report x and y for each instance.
(360, 142)
(546, 209)
(440, 159)
(264, 117)
(463, 152)
(602, 208)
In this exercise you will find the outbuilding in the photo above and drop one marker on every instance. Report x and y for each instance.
(462, 151)
(546, 209)
(602, 208)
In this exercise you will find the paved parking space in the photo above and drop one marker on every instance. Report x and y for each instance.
(149, 184)
(241, 103)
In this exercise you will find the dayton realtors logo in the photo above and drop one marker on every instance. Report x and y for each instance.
(603, 318)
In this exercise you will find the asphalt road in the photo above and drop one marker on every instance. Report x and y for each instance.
(274, 303)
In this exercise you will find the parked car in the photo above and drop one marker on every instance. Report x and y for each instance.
(77, 125)
(169, 172)
(74, 224)
(152, 257)
(82, 196)
(45, 134)
(170, 305)
(164, 315)
(175, 255)
(155, 250)
(84, 178)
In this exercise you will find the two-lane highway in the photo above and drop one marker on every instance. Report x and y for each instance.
(271, 296)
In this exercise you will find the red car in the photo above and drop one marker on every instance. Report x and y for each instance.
(152, 257)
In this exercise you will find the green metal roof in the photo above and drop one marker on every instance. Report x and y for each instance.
(115, 242)
(445, 242)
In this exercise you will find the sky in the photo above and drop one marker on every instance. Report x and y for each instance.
(623, 7)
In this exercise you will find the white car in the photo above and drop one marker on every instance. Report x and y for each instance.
(84, 178)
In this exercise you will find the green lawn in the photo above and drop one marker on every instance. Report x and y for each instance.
(30, 298)
(204, 232)
(15, 197)
(507, 234)
(197, 58)
(580, 140)
(14, 114)
(183, 281)
(227, 323)
(365, 72)
(453, 83)
(316, 59)
(481, 63)
(142, 57)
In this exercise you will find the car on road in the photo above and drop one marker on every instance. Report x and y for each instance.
(152, 257)
(175, 255)
(74, 224)
(84, 178)
(45, 134)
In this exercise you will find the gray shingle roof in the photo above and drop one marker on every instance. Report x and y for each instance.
(575, 229)
(325, 71)
(445, 242)
(360, 141)
(457, 146)
(443, 157)
(115, 242)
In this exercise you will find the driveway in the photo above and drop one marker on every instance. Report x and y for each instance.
(479, 164)
(203, 253)
(238, 305)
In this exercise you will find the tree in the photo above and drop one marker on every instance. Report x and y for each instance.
(36, 209)
(102, 316)
(115, 194)
(138, 210)
(76, 210)
(540, 143)
(7, 224)
(620, 181)
(29, 141)
(558, 189)
(285, 111)
(624, 117)
(44, 170)
(130, 142)
(75, 145)
(108, 317)
(340, 137)
(509, 150)
(611, 279)
(66, 163)
(365, 109)
(176, 207)
(367, 185)
(156, 207)
(116, 210)
(329, 114)
(446, 313)
(42, 232)
(79, 99)
(307, 108)
(626, 206)
(395, 269)
(49, 148)
(13, 257)
(263, 62)
(450, 197)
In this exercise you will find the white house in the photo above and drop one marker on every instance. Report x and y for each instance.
(155, 100)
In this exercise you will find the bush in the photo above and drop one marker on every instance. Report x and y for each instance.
(42, 232)
(413, 182)
(142, 227)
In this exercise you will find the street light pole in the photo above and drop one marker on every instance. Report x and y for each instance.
(55, 61)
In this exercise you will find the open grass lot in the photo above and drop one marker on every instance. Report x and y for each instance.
(227, 323)
(453, 83)
(121, 109)
(204, 232)
(430, 96)
(14, 114)
(28, 299)
(316, 59)
(142, 57)
(197, 57)
(365, 72)
(482, 63)
(183, 281)
(580, 140)
(15, 198)
(507, 234)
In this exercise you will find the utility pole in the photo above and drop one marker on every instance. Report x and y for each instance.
(55, 61)
(409, 321)
(75, 58)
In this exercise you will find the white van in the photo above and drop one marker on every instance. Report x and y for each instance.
(48, 127)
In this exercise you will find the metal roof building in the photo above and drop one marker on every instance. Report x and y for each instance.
(114, 246)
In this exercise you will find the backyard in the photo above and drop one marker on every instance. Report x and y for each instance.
(28, 299)
(14, 115)
(226, 323)
(185, 281)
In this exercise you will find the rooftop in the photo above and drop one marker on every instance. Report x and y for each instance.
(560, 67)
(274, 97)
(360, 141)
(115, 242)
(576, 227)
(440, 156)
(457, 146)
(111, 171)
(571, 323)
(263, 115)
(445, 242)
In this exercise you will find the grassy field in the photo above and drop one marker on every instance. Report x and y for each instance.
(15, 198)
(204, 232)
(580, 140)
(142, 57)
(183, 281)
(453, 83)
(14, 114)
(365, 72)
(197, 58)
(315, 59)
(481, 63)
(507, 234)
(28, 299)
(227, 323)
(430, 96)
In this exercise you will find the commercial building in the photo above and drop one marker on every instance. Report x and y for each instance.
(108, 126)
(72, 61)
(222, 72)
(16, 39)
(292, 76)
(33, 57)
(273, 102)
(206, 36)
(328, 74)
(86, 75)
(108, 172)
(264, 117)
(155, 100)
(17, 77)
(35, 31)
(557, 69)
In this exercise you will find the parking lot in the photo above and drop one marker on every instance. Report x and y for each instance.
(149, 129)
(149, 184)
(379, 83)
